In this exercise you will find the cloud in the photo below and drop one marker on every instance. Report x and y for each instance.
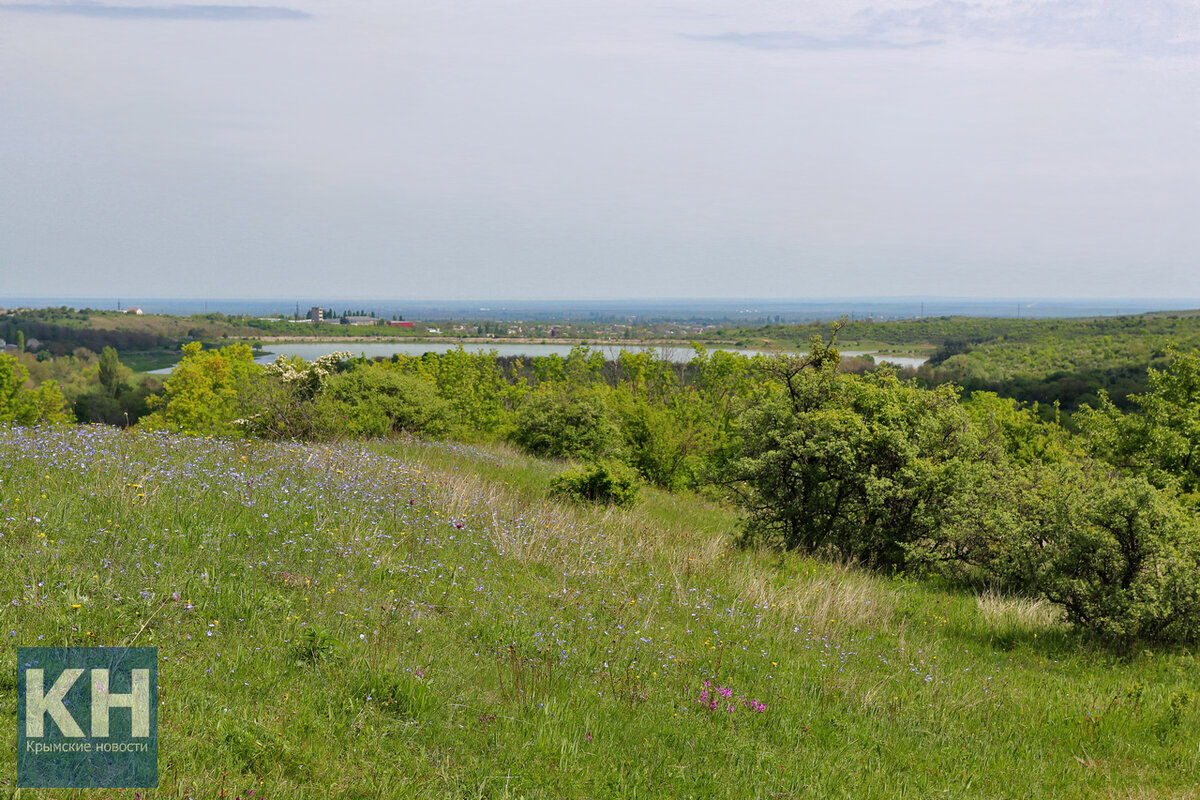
(173, 12)
(795, 40)
(1135, 27)
(1154, 28)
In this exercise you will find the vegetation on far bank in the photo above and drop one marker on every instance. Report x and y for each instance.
(1046, 361)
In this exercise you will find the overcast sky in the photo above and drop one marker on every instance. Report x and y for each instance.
(600, 148)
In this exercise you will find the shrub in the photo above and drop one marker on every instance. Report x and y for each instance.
(1162, 438)
(608, 482)
(558, 424)
(284, 398)
(24, 406)
(1116, 554)
(665, 441)
(372, 400)
(207, 391)
(860, 465)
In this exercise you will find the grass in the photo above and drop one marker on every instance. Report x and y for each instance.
(151, 360)
(412, 619)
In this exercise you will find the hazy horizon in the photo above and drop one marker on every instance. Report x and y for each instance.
(720, 309)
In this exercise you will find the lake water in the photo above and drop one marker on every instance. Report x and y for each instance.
(678, 354)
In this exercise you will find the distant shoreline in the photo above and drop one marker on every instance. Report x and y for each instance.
(852, 349)
(626, 343)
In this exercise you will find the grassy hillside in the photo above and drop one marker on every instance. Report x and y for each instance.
(415, 620)
(1043, 360)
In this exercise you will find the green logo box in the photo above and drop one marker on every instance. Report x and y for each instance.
(87, 717)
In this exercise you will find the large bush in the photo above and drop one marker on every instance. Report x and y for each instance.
(375, 400)
(563, 424)
(859, 465)
(606, 482)
(1161, 439)
(24, 406)
(1117, 554)
(208, 391)
(284, 401)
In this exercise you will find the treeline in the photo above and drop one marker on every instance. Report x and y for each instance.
(1101, 520)
(79, 387)
(57, 339)
(1046, 361)
(63, 331)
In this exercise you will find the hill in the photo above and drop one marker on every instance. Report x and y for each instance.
(414, 619)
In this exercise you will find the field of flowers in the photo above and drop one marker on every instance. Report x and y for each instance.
(412, 619)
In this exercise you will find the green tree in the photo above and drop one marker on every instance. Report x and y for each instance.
(1161, 438)
(666, 441)
(1017, 430)
(21, 405)
(111, 378)
(860, 465)
(560, 423)
(473, 384)
(207, 391)
(374, 400)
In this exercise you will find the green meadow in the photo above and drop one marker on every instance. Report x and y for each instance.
(406, 618)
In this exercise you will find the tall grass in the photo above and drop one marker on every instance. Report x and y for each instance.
(411, 619)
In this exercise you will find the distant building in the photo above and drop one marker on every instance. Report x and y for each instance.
(398, 324)
(135, 311)
(359, 321)
(316, 315)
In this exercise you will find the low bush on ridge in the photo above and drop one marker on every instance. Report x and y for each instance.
(606, 482)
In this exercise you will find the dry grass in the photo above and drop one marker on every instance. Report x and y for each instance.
(1006, 611)
(835, 597)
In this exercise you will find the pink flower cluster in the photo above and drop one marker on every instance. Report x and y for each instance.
(711, 699)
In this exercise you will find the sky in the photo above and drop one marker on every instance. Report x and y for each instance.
(547, 149)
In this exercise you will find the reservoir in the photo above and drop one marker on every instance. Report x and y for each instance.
(681, 353)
